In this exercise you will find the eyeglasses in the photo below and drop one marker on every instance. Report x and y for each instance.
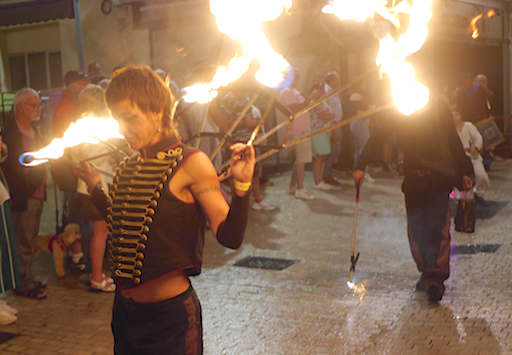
(35, 106)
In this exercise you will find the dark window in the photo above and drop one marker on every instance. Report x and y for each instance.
(55, 60)
(37, 71)
(18, 72)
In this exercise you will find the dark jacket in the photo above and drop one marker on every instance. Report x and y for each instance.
(429, 141)
(21, 184)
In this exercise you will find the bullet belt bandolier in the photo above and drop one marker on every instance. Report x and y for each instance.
(151, 232)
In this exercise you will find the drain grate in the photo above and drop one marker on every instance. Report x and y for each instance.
(6, 336)
(474, 249)
(258, 262)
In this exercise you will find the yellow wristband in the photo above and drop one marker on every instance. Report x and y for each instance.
(242, 186)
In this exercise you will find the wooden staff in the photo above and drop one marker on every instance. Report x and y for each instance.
(264, 118)
(345, 122)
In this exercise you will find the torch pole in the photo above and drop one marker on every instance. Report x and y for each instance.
(353, 259)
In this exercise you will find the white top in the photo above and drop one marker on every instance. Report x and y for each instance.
(470, 137)
(335, 104)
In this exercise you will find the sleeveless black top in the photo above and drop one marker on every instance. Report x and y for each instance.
(152, 232)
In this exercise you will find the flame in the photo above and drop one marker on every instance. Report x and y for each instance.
(474, 22)
(241, 20)
(77, 133)
(408, 94)
(363, 9)
(359, 289)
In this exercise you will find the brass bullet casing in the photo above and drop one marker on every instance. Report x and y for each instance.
(156, 195)
(141, 246)
(174, 163)
(138, 264)
(169, 171)
(143, 237)
(145, 229)
(137, 273)
(148, 220)
(136, 280)
(151, 212)
(164, 178)
(139, 256)
(153, 203)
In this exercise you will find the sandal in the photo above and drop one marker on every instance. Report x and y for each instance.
(103, 286)
(33, 293)
(40, 284)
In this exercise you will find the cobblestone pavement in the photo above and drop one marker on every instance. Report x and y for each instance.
(308, 308)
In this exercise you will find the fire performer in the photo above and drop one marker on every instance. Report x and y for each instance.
(160, 200)
(434, 162)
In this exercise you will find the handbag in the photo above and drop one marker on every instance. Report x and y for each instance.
(465, 219)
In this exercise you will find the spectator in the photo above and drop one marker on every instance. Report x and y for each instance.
(360, 129)
(92, 103)
(93, 69)
(27, 187)
(472, 98)
(9, 268)
(295, 102)
(166, 77)
(321, 117)
(231, 105)
(472, 142)
(214, 120)
(67, 111)
(332, 82)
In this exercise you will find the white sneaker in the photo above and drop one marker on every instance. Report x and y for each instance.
(291, 190)
(4, 306)
(303, 195)
(368, 178)
(322, 186)
(6, 317)
(263, 206)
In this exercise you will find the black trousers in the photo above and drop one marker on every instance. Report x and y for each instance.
(170, 327)
(428, 220)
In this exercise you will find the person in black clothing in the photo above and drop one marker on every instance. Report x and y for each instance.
(434, 162)
(156, 214)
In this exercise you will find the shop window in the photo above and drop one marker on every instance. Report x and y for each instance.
(40, 71)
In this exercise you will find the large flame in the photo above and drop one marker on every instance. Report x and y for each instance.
(83, 131)
(241, 20)
(473, 24)
(408, 94)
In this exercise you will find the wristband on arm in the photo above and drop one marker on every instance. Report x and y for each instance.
(231, 231)
(100, 200)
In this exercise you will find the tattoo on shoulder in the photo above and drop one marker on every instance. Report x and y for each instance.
(208, 189)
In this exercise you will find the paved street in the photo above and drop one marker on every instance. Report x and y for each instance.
(307, 308)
